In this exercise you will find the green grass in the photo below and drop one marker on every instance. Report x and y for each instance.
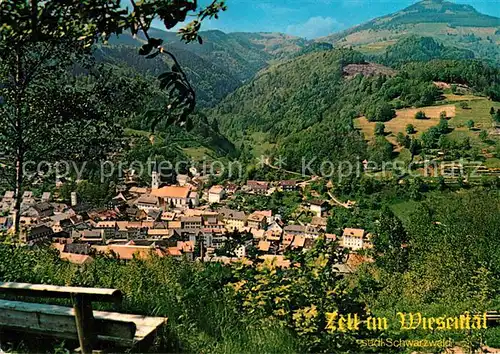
(479, 112)
(202, 314)
(198, 153)
(260, 143)
(134, 132)
(493, 162)
(403, 210)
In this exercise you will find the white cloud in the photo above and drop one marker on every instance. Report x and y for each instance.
(315, 27)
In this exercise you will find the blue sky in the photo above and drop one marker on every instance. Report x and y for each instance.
(315, 18)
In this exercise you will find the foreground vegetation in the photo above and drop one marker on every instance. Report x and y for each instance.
(440, 259)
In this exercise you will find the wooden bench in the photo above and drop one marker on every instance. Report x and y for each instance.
(80, 322)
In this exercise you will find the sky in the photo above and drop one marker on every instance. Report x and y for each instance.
(314, 18)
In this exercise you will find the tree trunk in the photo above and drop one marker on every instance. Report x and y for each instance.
(19, 76)
(18, 190)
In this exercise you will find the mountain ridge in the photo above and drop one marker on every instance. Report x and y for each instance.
(452, 24)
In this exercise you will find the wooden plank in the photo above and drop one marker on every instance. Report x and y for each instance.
(84, 320)
(54, 291)
(59, 321)
(123, 330)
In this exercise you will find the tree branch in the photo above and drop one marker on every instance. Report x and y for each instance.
(163, 50)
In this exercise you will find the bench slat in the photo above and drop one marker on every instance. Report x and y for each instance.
(123, 330)
(54, 291)
(58, 320)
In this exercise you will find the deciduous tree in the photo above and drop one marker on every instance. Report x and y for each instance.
(41, 39)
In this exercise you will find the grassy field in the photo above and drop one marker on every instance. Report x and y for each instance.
(477, 110)
(403, 210)
(199, 153)
(376, 47)
(492, 162)
(260, 143)
(479, 113)
(451, 98)
(405, 117)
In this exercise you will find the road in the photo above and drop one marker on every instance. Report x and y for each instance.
(345, 205)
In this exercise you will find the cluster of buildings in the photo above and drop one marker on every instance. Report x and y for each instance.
(168, 221)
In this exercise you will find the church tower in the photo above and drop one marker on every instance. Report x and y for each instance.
(155, 180)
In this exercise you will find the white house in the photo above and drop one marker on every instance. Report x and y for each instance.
(317, 206)
(353, 239)
(216, 194)
(183, 180)
(148, 203)
(240, 251)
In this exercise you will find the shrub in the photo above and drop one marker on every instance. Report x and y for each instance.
(410, 129)
(464, 105)
(443, 126)
(379, 129)
(420, 115)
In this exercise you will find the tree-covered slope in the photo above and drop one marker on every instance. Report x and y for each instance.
(415, 49)
(288, 97)
(210, 81)
(452, 24)
(217, 67)
(304, 107)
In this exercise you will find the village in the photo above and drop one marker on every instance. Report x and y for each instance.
(183, 220)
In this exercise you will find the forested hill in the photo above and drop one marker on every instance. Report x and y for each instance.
(453, 24)
(217, 67)
(415, 48)
(305, 106)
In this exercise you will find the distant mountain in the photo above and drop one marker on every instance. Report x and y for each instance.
(452, 24)
(217, 67)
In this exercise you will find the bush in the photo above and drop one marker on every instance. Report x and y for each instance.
(464, 105)
(443, 126)
(403, 140)
(410, 129)
(420, 115)
(379, 129)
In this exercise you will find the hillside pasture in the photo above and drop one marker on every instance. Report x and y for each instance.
(403, 118)
(450, 97)
(199, 153)
(478, 112)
